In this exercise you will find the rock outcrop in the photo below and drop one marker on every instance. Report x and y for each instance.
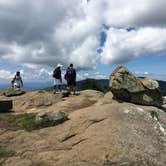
(6, 105)
(96, 131)
(116, 134)
(127, 87)
(13, 92)
(39, 101)
(56, 117)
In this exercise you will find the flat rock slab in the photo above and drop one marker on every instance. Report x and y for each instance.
(13, 92)
(6, 105)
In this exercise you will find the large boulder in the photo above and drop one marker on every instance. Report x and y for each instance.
(13, 92)
(127, 87)
(164, 100)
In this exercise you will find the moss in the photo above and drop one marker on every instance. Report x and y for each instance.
(6, 152)
(13, 92)
(28, 122)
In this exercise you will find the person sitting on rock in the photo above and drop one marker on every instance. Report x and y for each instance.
(17, 81)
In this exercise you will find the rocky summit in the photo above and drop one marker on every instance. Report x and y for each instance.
(127, 87)
(90, 129)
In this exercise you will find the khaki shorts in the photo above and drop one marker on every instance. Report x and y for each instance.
(57, 82)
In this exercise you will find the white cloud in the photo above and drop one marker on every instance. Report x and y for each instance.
(155, 76)
(36, 75)
(48, 32)
(146, 72)
(44, 75)
(123, 45)
(135, 13)
(43, 33)
(5, 74)
(96, 75)
(143, 73)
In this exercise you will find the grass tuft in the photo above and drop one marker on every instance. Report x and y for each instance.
(28, 122)
(6, 153)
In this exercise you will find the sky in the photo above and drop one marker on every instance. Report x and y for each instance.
(95, 35)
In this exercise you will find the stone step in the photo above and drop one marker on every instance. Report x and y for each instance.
(6, 105)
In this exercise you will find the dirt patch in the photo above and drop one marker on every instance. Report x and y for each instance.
(4, 124)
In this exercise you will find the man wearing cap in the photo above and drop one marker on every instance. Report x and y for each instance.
(70, 77)
(57, 79)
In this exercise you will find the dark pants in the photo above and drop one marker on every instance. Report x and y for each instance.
(71, 83)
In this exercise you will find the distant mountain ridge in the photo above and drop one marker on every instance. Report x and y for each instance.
(162, 84)
(105, 82)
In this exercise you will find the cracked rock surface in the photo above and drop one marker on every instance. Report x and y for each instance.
(98, 133)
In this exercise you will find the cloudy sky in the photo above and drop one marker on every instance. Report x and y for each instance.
(94, 35)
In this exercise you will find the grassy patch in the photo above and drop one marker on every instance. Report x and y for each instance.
(28, 122)
(49, 89)
(6, 152)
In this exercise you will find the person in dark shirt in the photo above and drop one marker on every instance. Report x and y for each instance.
(57, 79)
(70, 77)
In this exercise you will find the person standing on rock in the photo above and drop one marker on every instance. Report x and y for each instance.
(57, 79)
(17, 81)
(70, 77)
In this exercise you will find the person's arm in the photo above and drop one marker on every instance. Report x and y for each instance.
(60, 76)
(12, 82)
(21, 82)
(66, 75)
(74, 74)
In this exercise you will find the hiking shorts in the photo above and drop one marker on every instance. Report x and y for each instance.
(57, 82)
(17, 85)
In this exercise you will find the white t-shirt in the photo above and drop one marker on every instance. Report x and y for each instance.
(17, 82)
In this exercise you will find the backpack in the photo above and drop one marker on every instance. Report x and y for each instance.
(56, 73)
(65, 76)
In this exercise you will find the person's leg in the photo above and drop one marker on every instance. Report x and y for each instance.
(54, 87)
(68, 88)
(60, 85)
(74, 90)
(59, 88)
